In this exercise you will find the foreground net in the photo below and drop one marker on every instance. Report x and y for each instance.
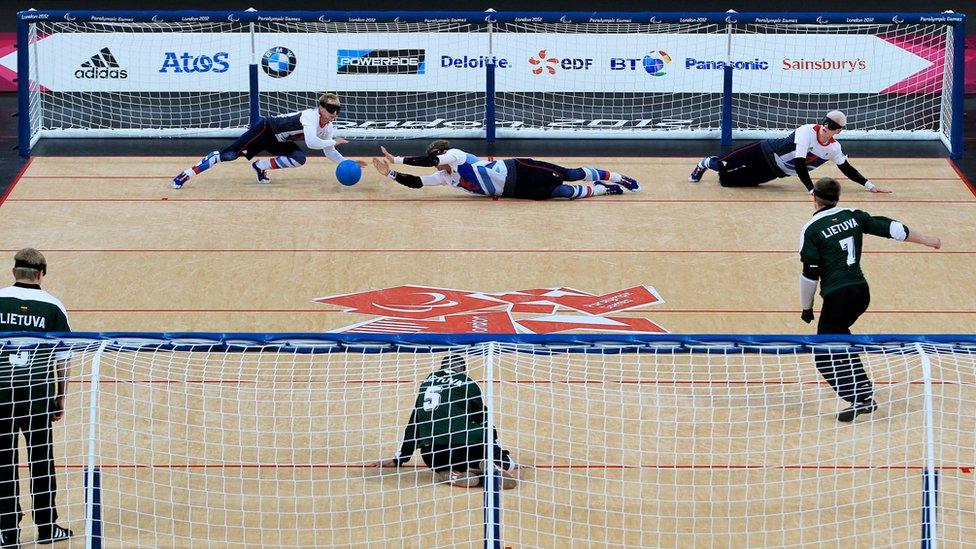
(645, 442)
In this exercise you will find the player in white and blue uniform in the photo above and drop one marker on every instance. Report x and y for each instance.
(807, 148)
(278, 135)
(510, 178)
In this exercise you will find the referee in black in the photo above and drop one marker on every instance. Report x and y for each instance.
(830, 249)
(32, 389)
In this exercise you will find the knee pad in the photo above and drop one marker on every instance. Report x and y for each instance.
(227, 156)
(299, 156)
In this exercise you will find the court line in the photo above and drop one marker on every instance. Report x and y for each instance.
(641, 312)
(959, 172)
(480, 200)
(16, 180)
(468, 250)
(272, 385)
(603, 466)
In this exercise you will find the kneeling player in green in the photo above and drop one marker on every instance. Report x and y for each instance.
(447, 423)
(830, 249)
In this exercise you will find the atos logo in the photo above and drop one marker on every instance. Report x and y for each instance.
(653, 63)
(543, 63)
(187, 62)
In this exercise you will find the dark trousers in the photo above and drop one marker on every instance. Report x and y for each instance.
(534, 179)
(445, 458)
(746, 166)
(16, 418)
(844, 371)
(256, 139)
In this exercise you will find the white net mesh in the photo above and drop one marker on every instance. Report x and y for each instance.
(640, 445)
(594, 77)
(888, 79)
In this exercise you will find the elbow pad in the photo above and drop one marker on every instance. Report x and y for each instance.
(426, 161)
(407, 180)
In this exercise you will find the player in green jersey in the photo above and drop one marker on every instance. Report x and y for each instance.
(830, 249)
(447, 423)
(33, 383)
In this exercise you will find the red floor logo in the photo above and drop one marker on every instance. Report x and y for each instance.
(419, 309)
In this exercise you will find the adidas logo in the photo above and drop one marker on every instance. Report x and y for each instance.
(101, 65)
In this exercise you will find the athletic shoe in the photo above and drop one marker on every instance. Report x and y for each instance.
(179, 180)
(262, 175)
(629, 183)
(457, 478)
(865, 407)
(699, 171)
(53, 534)
(611, 188)
(10, 539)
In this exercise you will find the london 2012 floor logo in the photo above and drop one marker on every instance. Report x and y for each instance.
(426, 309)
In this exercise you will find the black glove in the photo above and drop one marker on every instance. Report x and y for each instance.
(807, 315)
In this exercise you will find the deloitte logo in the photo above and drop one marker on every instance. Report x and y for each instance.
(654, 63)
(278, 62)
(101, 65)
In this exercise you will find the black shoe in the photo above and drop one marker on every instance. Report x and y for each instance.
(865, 407)
(10, 539)
(53, 534)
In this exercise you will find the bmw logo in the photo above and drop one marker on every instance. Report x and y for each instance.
(278, 62)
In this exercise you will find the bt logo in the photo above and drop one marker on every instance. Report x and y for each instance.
(543, 63)
(653, 63)
(187, 62)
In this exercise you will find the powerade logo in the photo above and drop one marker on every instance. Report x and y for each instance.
(278, 62)
(187, 62)
(478, 62)
(653, 63)
(741, 65)
(102, 65)
(381, 62)
(542, 63)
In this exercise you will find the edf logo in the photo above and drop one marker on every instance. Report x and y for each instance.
(187, 62)
(543, 63)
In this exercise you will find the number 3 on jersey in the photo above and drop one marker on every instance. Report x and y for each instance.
(847, 244)
(432, 397)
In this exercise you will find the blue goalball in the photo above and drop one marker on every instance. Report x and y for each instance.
(348, 172)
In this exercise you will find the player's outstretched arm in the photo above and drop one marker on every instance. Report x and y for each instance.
(919, 238)
(855, 176)
(386, 154)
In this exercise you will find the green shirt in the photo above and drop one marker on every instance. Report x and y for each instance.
(27, 374)
(448, 412)
(831, 240)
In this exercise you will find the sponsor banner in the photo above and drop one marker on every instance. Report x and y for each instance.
(436, 62)
(970, 64)
(8, 75)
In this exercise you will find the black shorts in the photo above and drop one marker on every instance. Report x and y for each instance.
(842, 307)
(260, 138)
(747, 166)
(533, 179)
(445, 458)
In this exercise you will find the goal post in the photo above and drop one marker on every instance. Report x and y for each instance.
(482, 74)
(236, 440)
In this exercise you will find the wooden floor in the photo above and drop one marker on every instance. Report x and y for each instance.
(126, 253)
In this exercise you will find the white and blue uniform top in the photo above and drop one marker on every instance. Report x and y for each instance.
(470, 173)
(803, 143)
(304, 126)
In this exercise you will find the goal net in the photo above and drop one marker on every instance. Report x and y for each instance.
(418, 74)
(670, 441)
